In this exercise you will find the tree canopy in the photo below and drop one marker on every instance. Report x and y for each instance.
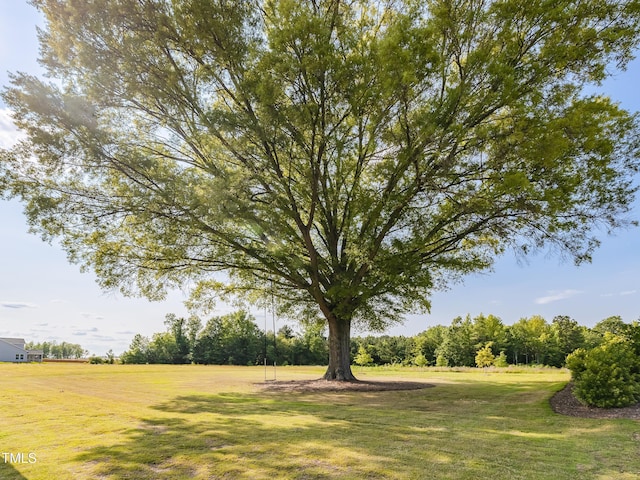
(345, 157)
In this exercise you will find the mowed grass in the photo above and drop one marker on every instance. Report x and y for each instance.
(196, 422)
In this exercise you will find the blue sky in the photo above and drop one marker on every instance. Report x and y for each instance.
(43, 297)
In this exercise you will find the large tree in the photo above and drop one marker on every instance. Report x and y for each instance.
(347, 157)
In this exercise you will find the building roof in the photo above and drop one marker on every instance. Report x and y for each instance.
(13, 340)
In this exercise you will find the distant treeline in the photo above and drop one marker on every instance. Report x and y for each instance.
(235, 339)
(232, 339)
(529, 341)
(58, 351)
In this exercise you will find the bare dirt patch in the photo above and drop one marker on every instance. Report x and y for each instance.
(565, 403)
(321, 385)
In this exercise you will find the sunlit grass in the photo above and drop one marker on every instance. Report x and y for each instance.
(183, 422)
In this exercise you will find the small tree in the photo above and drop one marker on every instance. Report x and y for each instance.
(501, 360)
(485, 357)
(442, 361)
(363, 357)
(420, 360)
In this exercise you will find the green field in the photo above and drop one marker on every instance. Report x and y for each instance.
(184, 422)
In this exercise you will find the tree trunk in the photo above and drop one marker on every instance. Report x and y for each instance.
(339, 352)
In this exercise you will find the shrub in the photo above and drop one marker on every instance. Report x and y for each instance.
(442, 361)
(576, 362)
(96, 360)
(606, 376)
(501, 360)
(484, 357)
(363, 357)
(420, 360)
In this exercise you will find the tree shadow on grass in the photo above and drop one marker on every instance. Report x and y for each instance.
(8, 471)
(417, 434)
(247, 436)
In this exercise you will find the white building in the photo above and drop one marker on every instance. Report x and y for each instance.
(13, 350)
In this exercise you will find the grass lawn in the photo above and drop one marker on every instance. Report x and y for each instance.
(195, 422)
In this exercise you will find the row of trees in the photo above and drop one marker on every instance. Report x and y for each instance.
(236, 339)
(58, 351)
(232, 339)
(530, 340)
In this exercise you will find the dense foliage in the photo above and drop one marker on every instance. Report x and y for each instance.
(357, 155)
(609, 374)
(480, 341)
(528, 341)
(232, 339)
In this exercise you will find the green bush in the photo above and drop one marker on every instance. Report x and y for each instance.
(501, 360)
(420, 360)
(442, 361)
(606, 376)
(576, 362)
(363, 357)
(96, 360)
(485, 357)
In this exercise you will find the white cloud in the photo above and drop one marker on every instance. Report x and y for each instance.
(17, 305)
(555, 296)
(623, 293)
(9, 134)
